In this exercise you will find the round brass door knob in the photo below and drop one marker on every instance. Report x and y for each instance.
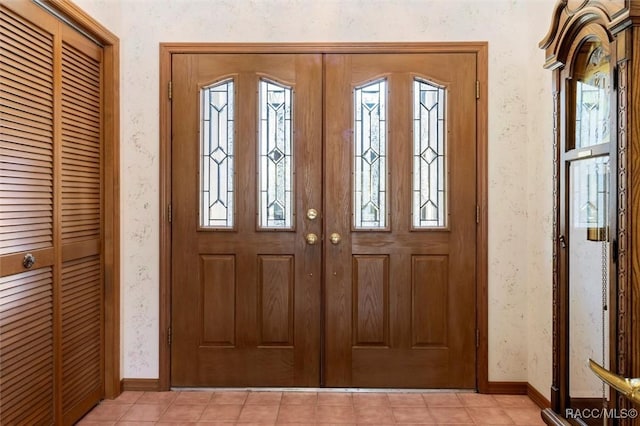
(335, 238)
(311, 239)
(312, 214)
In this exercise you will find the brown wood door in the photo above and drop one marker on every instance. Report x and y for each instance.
(246, 285)
(51, 211)
(400, 285)
(397, 292)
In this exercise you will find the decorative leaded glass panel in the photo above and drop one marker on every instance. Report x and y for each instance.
(217, 153)
(592, 114)
(370, 156)
(593, 94)
(276, 156)
(429, 165)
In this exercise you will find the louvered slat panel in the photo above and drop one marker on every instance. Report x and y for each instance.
(82, 94)
(81, 329)
(20, 295)
(86, 77)
(24, 30)
(78, 161)
(91, 107)
(81, 136)
(26, 135)
(16, 94)
(12, 135)
(13, 117)
(33, 149)
(18, 59)
(81, 143)
(21, 82)
(26, 349)
(11, 158)
(88, 129)
(85, 80)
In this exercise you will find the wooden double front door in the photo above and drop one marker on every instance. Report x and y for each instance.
(324, 220)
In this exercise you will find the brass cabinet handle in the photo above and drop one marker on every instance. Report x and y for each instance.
(335, 238)
(629, 387)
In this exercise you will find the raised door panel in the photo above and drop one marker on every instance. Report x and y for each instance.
(276, 278)
(218, 300)
(371, 296)
(429, 304)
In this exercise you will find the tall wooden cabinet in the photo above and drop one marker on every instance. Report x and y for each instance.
(593, 51)
(53, 261)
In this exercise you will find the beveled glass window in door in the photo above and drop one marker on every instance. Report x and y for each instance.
(217, 155)
(429, 161)
(370, 156)
(275, 156)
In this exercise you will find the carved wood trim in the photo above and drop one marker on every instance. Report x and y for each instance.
(631, 344)
(566, 24)
(622, 214)
(555, 235)
(558, 10)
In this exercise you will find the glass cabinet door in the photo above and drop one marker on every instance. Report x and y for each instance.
(588, 274)
(587, 186)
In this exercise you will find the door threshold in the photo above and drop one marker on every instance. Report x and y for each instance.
(344, 390)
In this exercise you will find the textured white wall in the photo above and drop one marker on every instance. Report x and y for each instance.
(539, 202)
(519, 142)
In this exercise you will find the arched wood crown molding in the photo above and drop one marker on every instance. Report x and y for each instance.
(568, 22)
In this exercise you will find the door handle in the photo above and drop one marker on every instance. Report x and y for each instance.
(312, 214)
(28, 261)
(629, 387)
(311, 238)
(335, 238)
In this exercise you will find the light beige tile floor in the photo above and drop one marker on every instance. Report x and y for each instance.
(313, 408)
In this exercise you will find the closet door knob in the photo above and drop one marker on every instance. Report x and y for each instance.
(28, 261)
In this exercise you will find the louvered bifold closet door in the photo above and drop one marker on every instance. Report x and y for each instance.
(51, 312)
(82, 284)
(26, 220)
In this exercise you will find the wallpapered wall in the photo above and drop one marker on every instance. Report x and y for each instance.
(519, 143)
